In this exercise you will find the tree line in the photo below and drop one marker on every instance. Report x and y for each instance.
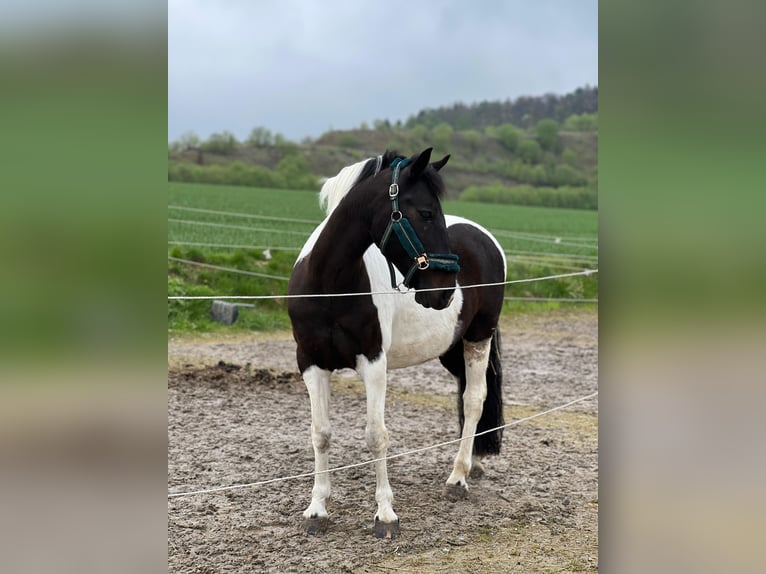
(524, 111)
(531, 161)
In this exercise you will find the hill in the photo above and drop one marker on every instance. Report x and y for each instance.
(546, 156)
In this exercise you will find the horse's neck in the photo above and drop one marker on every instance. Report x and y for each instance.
(336, 259)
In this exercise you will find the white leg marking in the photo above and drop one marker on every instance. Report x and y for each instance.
(373, 374)
(476, 356)
(318, 385)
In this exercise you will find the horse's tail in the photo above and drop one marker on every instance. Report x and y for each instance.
(492, 411)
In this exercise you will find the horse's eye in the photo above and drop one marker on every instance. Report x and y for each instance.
(425, 214)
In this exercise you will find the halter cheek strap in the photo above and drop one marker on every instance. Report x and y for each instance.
(401, 227)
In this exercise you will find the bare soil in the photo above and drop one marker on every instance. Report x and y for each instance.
(238, 413)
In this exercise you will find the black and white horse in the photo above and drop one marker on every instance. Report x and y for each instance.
(384, 227)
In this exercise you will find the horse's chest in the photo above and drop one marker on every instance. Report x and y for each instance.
(419, 334)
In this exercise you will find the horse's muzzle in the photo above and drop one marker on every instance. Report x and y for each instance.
(435, 299)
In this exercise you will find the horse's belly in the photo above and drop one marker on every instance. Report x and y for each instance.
(419, 334)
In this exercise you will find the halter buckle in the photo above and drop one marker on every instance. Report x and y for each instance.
(422, 262)
(393, 190)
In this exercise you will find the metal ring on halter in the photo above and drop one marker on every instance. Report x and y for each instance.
(422, 262)
(396, 216)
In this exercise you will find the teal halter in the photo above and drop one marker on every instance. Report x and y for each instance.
(409, 239)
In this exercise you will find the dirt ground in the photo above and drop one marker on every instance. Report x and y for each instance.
(238, 412)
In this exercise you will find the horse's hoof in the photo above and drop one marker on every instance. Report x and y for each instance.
(455, 492)
(315, 525)
(388, 530)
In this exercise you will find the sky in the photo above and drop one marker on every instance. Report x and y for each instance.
(303, 67)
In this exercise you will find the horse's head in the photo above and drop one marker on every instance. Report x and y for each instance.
(409, 228)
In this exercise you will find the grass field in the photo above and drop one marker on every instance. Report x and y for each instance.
(572, 226)
(231, 226)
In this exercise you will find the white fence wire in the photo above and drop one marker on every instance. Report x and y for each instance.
(386, 292)
(386, 458)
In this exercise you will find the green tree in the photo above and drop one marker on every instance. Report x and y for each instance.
(566, 175)
(418, 135)
(223, 143)
(508, 136)
(188, 140)
(441, 135)
(530, 151)
(260, 136)
(284, 145)
(581, 123)
(294, 170)
(569, 157)
(472, 138)
(547, 132)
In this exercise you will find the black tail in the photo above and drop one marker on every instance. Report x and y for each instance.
(492, 413)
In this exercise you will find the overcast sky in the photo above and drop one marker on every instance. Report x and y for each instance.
(302, 67)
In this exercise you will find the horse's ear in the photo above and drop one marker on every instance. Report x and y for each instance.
(437, 165)
(420, 163)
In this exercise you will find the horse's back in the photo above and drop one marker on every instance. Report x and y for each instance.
(470, 240)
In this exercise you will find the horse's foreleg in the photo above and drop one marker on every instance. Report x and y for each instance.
(476, 356)
(374, 375)
(318, 385)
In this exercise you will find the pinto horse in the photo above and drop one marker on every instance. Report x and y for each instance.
(384, 229)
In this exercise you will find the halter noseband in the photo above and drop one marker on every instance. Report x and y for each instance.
(408, 238)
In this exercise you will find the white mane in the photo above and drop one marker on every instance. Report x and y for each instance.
(336, 188)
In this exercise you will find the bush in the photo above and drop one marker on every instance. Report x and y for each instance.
(441, 135)
(188, 140)
(566, 175)
(284, 145)
(569, 157)
(223, 143)
(566, 197)
(581, 123)
(472, 138)
(348, 140)
(507, 135)
(291, 173)
(547, 133)
(296, 172)
(260, 137)
(418, 136)
(530, 151)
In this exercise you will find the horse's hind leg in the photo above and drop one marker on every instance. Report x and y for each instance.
(318, 384)
(374, 375)
(476, 356)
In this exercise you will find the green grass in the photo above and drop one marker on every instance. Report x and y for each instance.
(572, 226)
(185, 279)
(528, 231)
(549, 220)
(246, 201)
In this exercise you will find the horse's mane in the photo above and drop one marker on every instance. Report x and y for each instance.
(336, 188)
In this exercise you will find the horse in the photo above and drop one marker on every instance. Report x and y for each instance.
(386, 237)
